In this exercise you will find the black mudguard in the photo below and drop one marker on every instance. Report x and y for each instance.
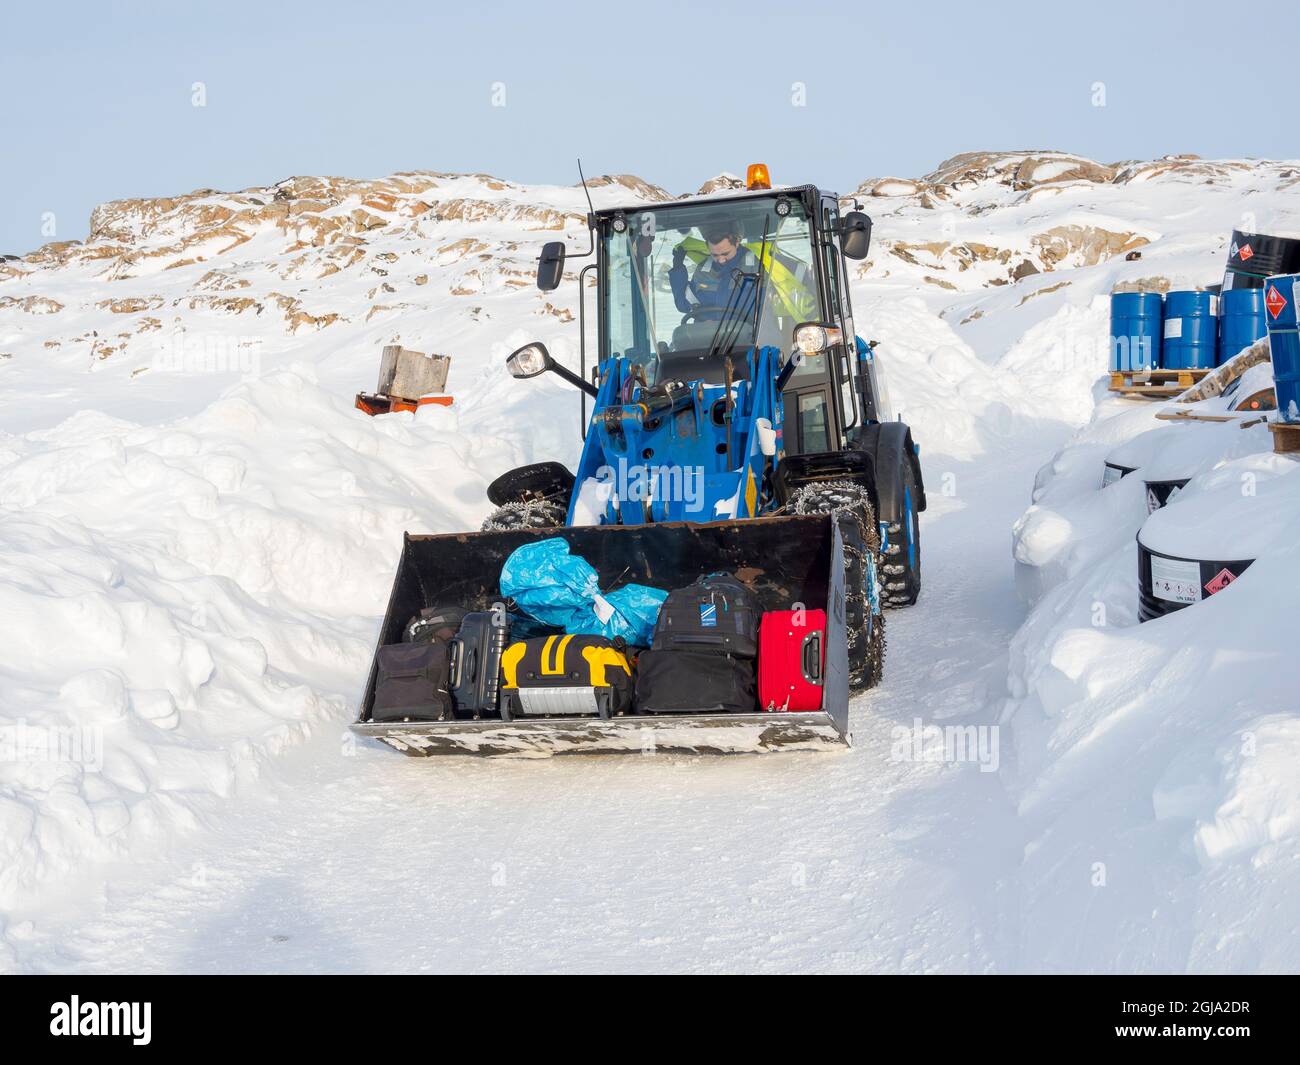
(541, 480)
(890, 445)
(796, 470)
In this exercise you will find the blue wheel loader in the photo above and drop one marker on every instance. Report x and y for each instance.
(732, 421)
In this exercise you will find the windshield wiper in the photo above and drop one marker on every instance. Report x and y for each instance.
(739, 283)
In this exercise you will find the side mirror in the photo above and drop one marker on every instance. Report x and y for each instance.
(855, 235)
(529, 361)
(550, 267)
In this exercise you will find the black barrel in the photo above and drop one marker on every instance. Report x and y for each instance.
(1158, 492)
(1113, 472)
(1167, 583)
(1255, 256)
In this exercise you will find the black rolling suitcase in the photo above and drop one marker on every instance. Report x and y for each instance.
(476, 663)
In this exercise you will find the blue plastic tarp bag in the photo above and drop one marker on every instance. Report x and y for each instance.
(563, 590)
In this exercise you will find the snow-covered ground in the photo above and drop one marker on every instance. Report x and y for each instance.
(197, 539)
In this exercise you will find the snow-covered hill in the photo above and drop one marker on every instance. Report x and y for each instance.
(197, 531)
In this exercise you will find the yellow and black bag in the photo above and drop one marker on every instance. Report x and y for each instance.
(566, 676)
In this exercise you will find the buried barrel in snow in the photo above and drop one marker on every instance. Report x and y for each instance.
(787, 563)
(1167, 582)
(1160, 492)
(1284, 343)
(1135, 323)
(1191, 331)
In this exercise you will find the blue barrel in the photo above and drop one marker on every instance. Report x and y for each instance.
(1284, 343)
(1191, 333)
(1135, 320)
(1241, 320)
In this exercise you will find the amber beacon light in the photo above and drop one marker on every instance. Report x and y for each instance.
(757, 177)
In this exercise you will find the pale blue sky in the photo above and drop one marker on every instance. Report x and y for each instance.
(96, 98)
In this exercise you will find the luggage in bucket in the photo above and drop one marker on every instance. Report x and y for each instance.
(562, 590)
(702, 655)
(565, 676)
(716, 614)
(783, 560)
(475, 653)
(412, 683)
(680, 682)
(791, 660)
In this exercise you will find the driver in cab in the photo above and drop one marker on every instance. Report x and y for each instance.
(730, 265)
(712, 286)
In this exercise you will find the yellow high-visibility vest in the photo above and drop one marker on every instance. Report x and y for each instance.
(797, 302)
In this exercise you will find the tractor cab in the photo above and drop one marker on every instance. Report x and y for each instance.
(684, 287)
(725, 346)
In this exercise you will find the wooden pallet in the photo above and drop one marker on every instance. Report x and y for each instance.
(1286, 437)
(1154, 383)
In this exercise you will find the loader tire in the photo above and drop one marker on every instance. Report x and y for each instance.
(855, 515)
(900, 577)
(530, 514)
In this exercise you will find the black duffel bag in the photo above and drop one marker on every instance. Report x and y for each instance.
(412, 683)
(679, 682)
(717, 614)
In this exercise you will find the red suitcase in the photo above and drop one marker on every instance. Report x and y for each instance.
(791, 659)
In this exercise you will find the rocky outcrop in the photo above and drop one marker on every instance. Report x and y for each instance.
(31, 304)
(1083, 245)
(639, 189)
(1017, 170)
(723, 182)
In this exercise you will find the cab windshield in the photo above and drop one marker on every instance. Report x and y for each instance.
(686, 286)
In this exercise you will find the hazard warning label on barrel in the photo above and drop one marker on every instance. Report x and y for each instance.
(1245, 253)
(1274, 301)
(1220, 581)
(1175, 580)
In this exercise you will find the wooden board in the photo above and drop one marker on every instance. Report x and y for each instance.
(1286, 437)
(410, 375)
(1189, 416)
(1217, 382)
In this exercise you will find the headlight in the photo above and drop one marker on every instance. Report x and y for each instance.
(529, 361)
(812, 337)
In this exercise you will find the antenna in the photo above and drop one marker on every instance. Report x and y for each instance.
(582, 177)
(591, 214)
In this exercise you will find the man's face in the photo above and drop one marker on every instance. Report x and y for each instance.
(723, 251)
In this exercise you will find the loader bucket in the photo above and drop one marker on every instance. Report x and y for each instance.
(785, 560)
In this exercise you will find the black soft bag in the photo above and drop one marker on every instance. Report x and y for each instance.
(434, 623)
(715, 615)
(678, 682)
(412, 683)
